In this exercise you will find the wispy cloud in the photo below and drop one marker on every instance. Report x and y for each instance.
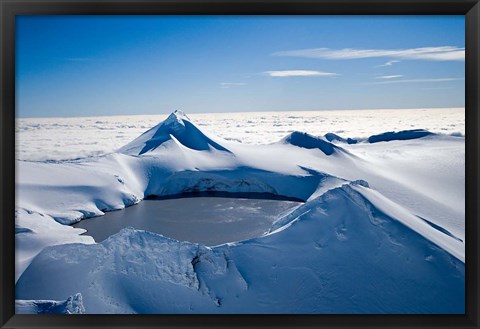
(389, 76)
(445, 53)
(226, 85)
(389, 63)
(299, 73)
(414, 81)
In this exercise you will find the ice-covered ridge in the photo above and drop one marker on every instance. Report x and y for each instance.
(399, 135)
(331, 137)
(308, 141)
(389, 136)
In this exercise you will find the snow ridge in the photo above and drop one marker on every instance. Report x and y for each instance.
(308, 141)
(331, 137)
(400, 135)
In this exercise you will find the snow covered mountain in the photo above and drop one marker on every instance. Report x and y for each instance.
(381, 229)
(176, 128)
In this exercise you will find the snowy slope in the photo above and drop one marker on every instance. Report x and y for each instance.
(371, 209)
(338, 254)
(426, 175)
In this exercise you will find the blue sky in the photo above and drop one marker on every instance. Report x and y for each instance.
(115, 65)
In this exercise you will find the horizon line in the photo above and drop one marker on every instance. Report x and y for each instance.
(246, 111)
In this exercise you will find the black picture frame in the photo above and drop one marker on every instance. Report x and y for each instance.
(10, 8)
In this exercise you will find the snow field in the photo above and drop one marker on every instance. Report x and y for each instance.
(381, 231)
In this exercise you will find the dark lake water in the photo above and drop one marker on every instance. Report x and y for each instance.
(207, 220)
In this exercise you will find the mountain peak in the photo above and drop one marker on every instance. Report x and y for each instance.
(175, 122)
(177, 125)
(177, 115)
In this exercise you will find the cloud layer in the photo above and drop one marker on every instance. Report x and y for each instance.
(445, 53)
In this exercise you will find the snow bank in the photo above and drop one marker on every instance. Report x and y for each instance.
(35, 231)
(72, 190)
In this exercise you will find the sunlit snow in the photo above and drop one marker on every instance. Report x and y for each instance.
(378, 227)
(72, 138)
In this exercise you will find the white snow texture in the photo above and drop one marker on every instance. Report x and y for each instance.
(382, 228)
